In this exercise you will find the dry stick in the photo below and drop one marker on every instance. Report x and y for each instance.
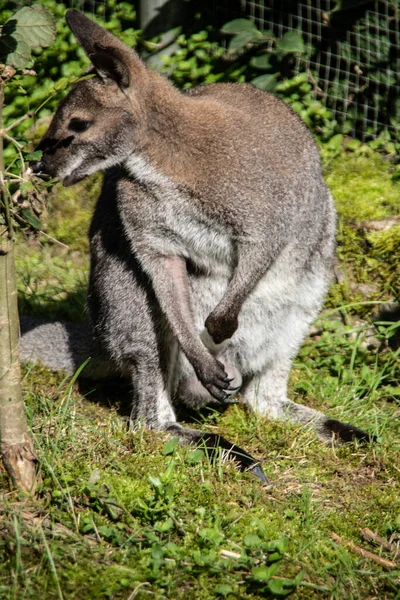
(16, 448)
(388, 564)
(370, 536)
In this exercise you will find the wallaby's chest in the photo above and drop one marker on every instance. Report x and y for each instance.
(159, 214)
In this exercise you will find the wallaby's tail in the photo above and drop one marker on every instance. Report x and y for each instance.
(63, 347)
(210, 442)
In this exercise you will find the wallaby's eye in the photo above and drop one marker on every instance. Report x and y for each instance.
(79, 125)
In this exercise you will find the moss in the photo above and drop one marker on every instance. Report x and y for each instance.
(363, 187)
(368, 262)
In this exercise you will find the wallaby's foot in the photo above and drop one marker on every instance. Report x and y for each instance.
(328, 430)
(267, 396)
(332, 429)
(192, 393)
(212, 441)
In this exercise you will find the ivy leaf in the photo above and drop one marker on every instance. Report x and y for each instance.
(265, 82)
(30, 27)
(244, 38)
(238, 25)
(195, 456)
(252, 540)
(261, 573)
(291, 43)
(263, 61)
(223, 589)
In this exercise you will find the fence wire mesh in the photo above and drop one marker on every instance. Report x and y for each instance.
(355, 61)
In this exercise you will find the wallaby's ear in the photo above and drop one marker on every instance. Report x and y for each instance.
(110, 57)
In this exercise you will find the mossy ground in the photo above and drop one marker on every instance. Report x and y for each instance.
(128, 514)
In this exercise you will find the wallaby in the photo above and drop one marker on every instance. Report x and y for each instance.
(212, 242)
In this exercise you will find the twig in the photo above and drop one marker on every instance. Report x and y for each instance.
(11, 139)
(28, 115)
(388, 564)
(61, 244)
(370, 536)
(137, 589)
(318, 91)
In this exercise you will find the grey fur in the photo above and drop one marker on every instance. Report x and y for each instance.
(212, 241)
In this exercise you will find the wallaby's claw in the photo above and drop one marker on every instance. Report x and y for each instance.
(217, 393)
(215, 379)
(232, 388)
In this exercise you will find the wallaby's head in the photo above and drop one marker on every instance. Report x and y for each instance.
(98, 123)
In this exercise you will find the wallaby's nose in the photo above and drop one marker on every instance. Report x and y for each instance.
(36, 166)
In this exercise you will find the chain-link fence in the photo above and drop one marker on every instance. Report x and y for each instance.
(355, 57)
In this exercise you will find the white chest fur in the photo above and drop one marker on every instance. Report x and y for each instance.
(181, 229)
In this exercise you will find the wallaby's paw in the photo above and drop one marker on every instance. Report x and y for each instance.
(331, 429)
(221, 326)
(215, 379)
(192, 392)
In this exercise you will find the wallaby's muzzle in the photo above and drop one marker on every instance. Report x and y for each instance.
(37, 167)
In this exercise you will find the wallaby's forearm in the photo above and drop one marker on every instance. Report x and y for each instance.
(63, 347)
(252, 264)
(169, 278)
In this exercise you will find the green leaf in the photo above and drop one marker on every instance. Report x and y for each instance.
(155, 481)
(281, 587)
(263, 61)
(164, 526)
(224, 589)
(36, 155)
(291, 43)
(335, 143)
(30, 27)
(243, 39)
(195, 456)
(238, 25)
(279, 546)
(261, 573)
(211, 535)
(170, 446)
(265, 82)
(252, 540)
(30, 218)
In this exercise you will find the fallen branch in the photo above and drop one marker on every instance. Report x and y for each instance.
(387, 564)
(374, 538)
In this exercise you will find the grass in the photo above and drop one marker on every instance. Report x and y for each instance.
(125, 514)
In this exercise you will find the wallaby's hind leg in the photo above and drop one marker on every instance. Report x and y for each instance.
(267, 395)
(130, 338)
(279, 340)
